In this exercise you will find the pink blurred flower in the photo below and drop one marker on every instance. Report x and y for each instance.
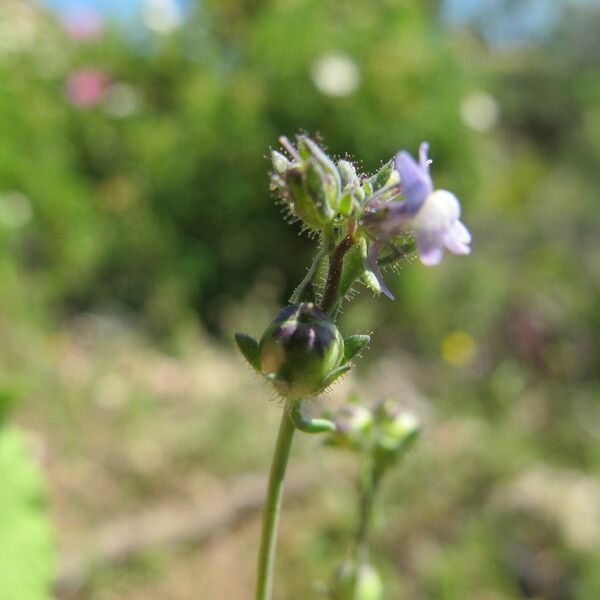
(86, 88)
(82, 24)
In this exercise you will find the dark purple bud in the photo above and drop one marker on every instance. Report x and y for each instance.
(299, 349)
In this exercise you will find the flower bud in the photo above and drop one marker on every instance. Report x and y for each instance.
(348, 173)
(280, 162)
(397, 431)
(299, 350)
(309, 150)
(308, 195)
(356, 583)
(310, 185)
(352, 423)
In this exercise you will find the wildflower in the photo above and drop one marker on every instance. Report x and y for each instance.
(87, 88)
(433, 215)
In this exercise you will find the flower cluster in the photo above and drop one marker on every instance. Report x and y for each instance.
(433, 216)
(395, 206)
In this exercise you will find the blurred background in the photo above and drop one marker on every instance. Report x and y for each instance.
(137, 232)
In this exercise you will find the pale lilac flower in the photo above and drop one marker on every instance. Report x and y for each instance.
(433, 216)
(86, 88)
(82, 24)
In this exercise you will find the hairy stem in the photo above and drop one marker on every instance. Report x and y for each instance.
(334, 274)
(266, 557)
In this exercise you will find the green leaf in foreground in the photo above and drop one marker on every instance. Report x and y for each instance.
(26, 540)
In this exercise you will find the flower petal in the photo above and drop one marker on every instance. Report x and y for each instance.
(414, 178)
(372, 256)
(431, 247)
(462, 233)
(424, 156)
(457, 239)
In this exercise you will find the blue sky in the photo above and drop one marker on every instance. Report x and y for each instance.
(527, 20)
(120, 8)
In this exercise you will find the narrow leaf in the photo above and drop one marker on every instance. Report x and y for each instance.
(354, 344)
(248, 346)
(334, 375)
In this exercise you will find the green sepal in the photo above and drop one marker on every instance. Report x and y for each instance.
(356, 266)
(353, 344)
(367, 187)
(367, 276)
(248, 346)
(308, 424)
(280, 163)
(348, 172)
(383, 176)
(369, 279)
(346, 204)
(322, 190)
(309, 149)
(334, 375)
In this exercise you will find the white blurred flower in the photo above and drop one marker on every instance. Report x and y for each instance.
(19, 25)
(479, 111)
(335, 74)
(121, 100)
(162, 16)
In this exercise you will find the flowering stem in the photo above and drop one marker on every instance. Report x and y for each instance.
(334, 274)
(266, 557)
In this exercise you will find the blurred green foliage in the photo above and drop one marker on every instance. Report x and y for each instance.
(26, 541)
(168, 207)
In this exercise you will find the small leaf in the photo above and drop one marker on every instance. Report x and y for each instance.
(248, 346)
(354, 344)
(335, 374)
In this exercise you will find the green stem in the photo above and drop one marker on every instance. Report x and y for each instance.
(368, 484)
(266, 557)
(308, 424)
(314, 268)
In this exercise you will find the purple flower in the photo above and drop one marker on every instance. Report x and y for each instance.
(433, 215)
